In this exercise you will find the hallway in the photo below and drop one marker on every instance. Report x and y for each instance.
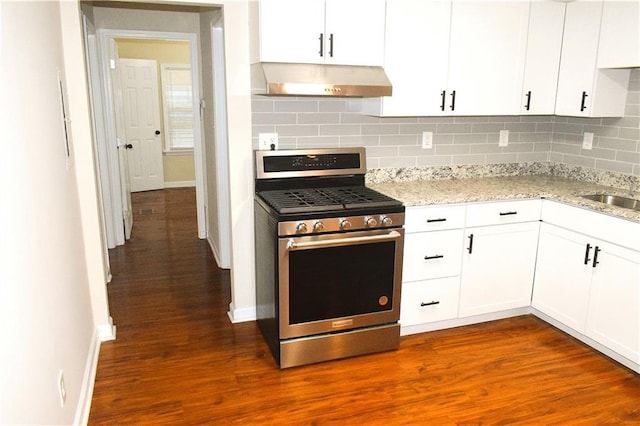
(179, 360)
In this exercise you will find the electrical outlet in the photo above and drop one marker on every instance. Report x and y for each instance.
(587, 141)
(427, 140)
(268, 141)
(504, 138)
(62, 391)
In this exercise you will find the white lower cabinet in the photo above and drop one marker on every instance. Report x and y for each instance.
(591, 286)
(429, 300)
(431, 266)
(498, 268)
(467, 263)
(561, 287)
(429, 255)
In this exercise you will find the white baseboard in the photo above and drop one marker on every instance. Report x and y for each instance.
(106, 332)
(458, 322)
(88, 381)
(587, 340)
(241, 315)
(216, 254)
(180, 184)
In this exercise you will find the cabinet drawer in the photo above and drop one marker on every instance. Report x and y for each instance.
(436, 218)
(502, 212)
(430, 255)
(428, 301)
(623, 232)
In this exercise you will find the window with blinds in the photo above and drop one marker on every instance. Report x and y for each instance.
(177, 101)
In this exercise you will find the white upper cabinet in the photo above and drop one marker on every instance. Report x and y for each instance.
(418, 74)
(416, 58)
(546, 22)
(619, 45)
(486, 57)
(583, 90)
(349, 32)
(457, 57)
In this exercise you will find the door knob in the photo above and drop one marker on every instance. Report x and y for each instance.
(128, 146)
(157, 132)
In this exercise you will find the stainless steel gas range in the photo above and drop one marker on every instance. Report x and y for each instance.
(328, 256)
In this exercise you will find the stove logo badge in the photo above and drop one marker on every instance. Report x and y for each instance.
(383, 300)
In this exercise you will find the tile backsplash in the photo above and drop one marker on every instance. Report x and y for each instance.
(396, 142)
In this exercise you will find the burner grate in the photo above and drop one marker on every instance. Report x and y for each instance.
(325, 199)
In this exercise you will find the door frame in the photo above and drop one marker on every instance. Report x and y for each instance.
(112, 115)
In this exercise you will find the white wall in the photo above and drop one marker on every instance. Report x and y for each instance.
(46, 311)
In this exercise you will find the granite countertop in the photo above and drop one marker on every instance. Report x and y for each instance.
(452, 191)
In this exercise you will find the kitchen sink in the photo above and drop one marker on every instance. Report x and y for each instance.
(615, 200)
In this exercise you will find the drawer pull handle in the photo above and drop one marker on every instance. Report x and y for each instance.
(470, 248)
(507, 213)
(442, 219)
(437, 256)
(435, 302)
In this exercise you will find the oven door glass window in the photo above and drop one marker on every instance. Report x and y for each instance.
(344, 281)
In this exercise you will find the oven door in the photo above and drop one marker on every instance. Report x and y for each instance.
(340, 281)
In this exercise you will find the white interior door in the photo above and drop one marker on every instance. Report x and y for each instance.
(141, 113)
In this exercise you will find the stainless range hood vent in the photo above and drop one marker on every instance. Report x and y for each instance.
(288, 79)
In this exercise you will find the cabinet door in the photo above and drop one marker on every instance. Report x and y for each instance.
(578, 61)
(497, 268)
(546, 22)
(613, 317)
(430, 255)
(619, 39)
(290, 30)
(487, 54)
(354, 32)
(563, 271)
(415, 59)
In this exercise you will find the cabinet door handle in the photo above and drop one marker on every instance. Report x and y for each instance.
(321, 51)
(331, 45)
(586, 254)
(470, 248)
(582, 103)
(595, 256)
(443, 95)
(453, 100)
(440, 219)
(507, 213)
(528, 105)
(437, 256)
(433, 302)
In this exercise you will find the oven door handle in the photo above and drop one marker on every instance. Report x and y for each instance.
(293, 245)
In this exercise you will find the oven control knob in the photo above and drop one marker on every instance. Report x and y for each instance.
(386, 221)
(301, 228)
(318, 227)
(345, 224)
(370, 222)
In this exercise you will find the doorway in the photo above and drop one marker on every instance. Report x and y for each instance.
(115, 156)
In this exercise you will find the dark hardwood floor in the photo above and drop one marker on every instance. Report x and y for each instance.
(177, 358)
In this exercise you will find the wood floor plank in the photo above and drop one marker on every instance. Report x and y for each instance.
(177, 358)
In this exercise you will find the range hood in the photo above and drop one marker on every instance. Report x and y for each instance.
(289, 79)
